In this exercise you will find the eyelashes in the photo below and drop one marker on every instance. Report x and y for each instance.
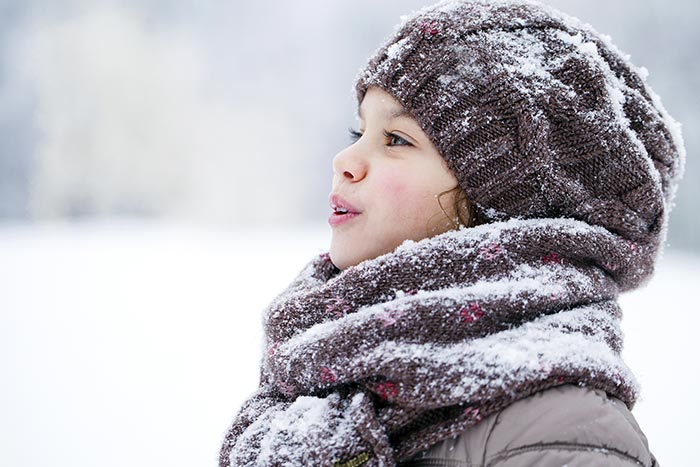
(354, 135)
(396, 139)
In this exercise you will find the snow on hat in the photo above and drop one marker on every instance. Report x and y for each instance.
(537, 114)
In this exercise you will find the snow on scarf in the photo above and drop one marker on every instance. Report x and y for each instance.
(371, 365)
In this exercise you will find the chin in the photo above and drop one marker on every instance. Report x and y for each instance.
(343, 260)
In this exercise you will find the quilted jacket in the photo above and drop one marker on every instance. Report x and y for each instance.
(567, 425)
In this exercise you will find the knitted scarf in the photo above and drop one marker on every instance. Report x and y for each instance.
(373, 364)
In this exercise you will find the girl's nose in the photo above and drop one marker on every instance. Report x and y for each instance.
(349, 164)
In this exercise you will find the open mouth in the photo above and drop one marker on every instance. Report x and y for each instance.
(340, 216)
(342, 210)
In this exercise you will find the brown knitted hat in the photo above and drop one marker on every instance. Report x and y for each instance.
(537, 114)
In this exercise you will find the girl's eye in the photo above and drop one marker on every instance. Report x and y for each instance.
(396, 140)
(354, 135)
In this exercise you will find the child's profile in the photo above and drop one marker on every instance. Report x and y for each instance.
(511, 174)
(375, 211)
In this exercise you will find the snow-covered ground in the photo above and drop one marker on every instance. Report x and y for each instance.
(130, 343)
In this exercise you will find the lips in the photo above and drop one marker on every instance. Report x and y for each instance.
(342, 211)
(340, 205)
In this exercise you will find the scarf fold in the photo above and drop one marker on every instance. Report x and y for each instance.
(373, 364)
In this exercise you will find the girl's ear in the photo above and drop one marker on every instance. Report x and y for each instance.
(460, 211)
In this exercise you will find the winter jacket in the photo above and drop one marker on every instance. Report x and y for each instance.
(567, 425)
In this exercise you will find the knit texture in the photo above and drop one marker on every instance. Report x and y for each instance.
(537, 115)
(384, 359)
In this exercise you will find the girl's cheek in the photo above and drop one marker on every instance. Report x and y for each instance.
(395, 187)
(403, 193)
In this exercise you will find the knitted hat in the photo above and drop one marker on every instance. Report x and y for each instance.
(536, 114)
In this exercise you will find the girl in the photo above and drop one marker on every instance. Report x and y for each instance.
(512, 174)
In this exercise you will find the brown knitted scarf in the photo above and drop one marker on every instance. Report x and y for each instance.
(376, 363)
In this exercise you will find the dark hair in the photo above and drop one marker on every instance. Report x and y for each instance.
(466, 212)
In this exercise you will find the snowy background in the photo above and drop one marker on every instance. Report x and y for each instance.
(164, 170)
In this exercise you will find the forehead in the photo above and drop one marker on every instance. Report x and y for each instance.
(383, 104)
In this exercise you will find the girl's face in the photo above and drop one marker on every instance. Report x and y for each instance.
(388, 179)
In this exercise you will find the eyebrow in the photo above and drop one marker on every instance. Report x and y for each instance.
(391, 115)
